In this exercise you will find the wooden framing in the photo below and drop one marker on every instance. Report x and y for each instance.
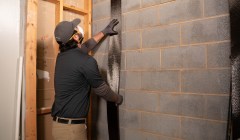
(75, 9)
(30, 70)
(30, 58)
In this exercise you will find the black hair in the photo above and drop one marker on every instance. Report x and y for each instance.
(71, 44)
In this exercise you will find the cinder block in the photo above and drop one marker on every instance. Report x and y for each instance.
(97, 1)
(207, 30)
(149, 136)
(180, 10)
(103, 45)
(133, 80)
(101, 10)
(169, 103)
(161, 124)
(149, 17)
(123, 60)
(102, 24)
(122, 79)
(216, 130)
(183, 57)
(102, 62)
(129, 5)
(94, 28)
(131, 40)
(141, 100)
(216, 7)
(146, 3)
(217, 107)
(131, 134)
(162, 81)
(122, 92)
(206, 81)
(196, 129)
(218, 55)
(161, 36)
(134, 134)
(192, 105)
(147, 59)
(131, 21)
(129, 119)
(167, 138)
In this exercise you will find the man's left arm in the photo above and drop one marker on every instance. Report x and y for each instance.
(93, 42)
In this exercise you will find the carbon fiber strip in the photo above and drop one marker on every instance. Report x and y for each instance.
(234, 114)
(113, 73)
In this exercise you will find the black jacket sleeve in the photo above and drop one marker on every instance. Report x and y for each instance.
(99, 86)
(88, 45)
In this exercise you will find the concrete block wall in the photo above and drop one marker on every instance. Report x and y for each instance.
(175, 74)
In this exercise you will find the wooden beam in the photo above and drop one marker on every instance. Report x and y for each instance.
(59, 11)
(75, 9)
(44, 110)
(30, 70)
(58, 18)
(52, 1)
(88, 19)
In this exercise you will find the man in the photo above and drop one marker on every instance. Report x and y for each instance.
(75, 73)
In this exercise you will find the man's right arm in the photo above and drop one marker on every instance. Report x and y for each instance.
(107, 31)
(106, 92)
(99, 86)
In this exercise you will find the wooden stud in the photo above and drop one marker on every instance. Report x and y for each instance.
(30, 70)
(58, 18)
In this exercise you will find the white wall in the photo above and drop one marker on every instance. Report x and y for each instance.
(10, 40)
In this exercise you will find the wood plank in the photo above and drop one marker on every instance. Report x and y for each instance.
(30, 70)
(59, 11)
(75, 9)
(44, 110)
(58, 18)
(52, 1)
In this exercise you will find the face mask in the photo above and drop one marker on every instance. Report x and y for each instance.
(80, 38)
(80, 31)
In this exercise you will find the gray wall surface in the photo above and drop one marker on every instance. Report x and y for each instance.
(10, 38)
(175, 73)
